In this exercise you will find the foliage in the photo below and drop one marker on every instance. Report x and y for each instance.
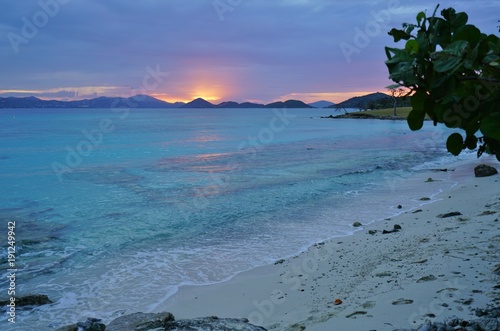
(396, 93)
(388, 103)
(453, 73)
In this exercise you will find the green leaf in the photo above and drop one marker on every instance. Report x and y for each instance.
(398, 35)
(450, 58)
(418, 101)
(412, 46)
(455, 143)
(415, 120)
(469, 33)
(420, 18)
(491, 60)
(459, 20)
(439, 32)
(471, 142)
(448, 13)
(490, 126)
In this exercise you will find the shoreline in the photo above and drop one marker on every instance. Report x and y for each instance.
(300, 291)
(362, 116)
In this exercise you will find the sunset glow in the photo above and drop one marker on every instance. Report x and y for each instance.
(187, 50)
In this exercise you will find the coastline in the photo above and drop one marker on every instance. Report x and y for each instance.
(367, 116)
(428, 270)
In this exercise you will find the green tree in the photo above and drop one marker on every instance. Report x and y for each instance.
(396, 94)
(452, 71)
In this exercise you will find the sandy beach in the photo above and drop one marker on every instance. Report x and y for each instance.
(432, 268)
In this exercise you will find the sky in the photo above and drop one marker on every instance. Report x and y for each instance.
(220, 50)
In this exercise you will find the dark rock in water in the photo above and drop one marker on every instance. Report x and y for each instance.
(399, 206)
(212, 324)
(140, 322)
(453, 213)
(443, 170)
(30, 300)
(71, 327)
(484, 170)
(357, 224)
(92, 324)
(397, 227)
(372, 232)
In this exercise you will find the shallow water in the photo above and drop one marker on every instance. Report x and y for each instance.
(113, 208)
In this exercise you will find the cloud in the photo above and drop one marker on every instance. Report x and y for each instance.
(261, 50)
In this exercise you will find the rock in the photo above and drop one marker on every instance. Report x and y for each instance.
(97, 326)
(212, 324)
(71, 327)
(453, 213)
(484, 170)
(481, 312)
(140, 322)
(488, 324)
(429, 180)
(383, 274)
(427, 279)
(30, 300)
(402, 302)
(91, 324)
(372, 232)
(296, 327)
(357, 224)
(399, 206)
(358, 312)
(395, 228)
(426, 327)
(425, 199)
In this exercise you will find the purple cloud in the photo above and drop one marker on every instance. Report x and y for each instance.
(259, 50)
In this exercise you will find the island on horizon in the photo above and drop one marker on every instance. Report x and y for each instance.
(145, 101)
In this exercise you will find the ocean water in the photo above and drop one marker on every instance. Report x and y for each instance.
(115, 209)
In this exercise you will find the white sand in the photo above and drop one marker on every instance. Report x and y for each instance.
(431, 269)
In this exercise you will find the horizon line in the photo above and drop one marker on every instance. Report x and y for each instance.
(183, 102)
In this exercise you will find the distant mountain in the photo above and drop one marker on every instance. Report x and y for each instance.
(360, 102)
(178, 104)
(288, 104)
(232, 104)
(228, 104)
(137, 101)
(321, 104)
(146, 101)
(198, 103)
(251, 105)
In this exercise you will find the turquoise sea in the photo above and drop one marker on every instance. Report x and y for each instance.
(115, 209)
